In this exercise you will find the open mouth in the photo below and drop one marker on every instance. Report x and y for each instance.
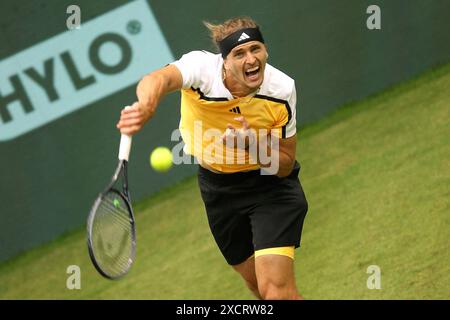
(252, 73)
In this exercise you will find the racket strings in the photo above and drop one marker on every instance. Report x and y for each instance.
(112, 235)
(121, 217)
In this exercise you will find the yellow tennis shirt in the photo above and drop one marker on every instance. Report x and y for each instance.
(207, 107)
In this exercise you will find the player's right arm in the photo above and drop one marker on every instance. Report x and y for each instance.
(150, 90)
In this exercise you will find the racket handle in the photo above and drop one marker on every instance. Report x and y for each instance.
(125, 147)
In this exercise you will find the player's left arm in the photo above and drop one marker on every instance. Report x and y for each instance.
(287, 146)
(281, 154)
(287, 149)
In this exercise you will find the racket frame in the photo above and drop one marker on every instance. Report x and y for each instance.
(125, 195)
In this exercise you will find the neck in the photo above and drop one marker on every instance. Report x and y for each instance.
(236, 89)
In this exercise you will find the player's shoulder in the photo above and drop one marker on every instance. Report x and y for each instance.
(200, 69)
(277, 84)
(202, 56)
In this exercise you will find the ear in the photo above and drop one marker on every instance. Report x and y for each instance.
(267, 52)
(225, 64)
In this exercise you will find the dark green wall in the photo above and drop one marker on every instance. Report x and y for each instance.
(50, 176)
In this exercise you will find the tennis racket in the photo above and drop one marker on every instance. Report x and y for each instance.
(111, 232)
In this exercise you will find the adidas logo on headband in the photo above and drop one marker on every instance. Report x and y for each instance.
(243, 36)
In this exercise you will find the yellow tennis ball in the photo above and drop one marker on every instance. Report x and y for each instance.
(161, 159)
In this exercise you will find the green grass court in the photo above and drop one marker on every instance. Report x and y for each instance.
(376, 175)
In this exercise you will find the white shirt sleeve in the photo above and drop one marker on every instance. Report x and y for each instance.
(194, 68)
(291, 126)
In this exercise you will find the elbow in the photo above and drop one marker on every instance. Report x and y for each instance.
(286, 169)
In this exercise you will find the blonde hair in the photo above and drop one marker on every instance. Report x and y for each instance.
(218, 32)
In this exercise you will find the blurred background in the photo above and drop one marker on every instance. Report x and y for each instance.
(61, 92)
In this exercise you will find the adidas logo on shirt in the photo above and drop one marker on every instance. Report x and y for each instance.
(236, 110)
(243, 36)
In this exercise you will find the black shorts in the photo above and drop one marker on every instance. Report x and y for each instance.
(248, 211)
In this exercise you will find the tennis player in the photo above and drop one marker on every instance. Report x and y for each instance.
(256, 218)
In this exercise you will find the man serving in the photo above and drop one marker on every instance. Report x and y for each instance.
(248, 175)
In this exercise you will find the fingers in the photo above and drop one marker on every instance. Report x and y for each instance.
(135, 105)
(130, 115)
(129, 122)
(245, 125)
(131, 119)
(130, 130)
(243, 121)
(244, 133)
(230, 133)
(130, 111)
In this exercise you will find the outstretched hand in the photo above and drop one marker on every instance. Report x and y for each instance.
(244, 134)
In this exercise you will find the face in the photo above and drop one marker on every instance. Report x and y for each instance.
(246, 64)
